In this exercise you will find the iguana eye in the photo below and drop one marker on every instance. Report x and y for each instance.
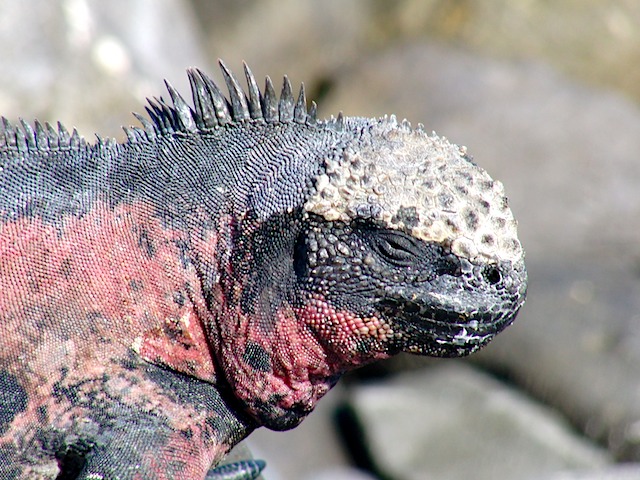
(396, 248)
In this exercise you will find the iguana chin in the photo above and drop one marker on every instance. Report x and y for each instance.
(218, 271)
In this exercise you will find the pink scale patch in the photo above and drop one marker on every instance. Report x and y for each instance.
(85, 291)
(179, 344)
(344, 330)
(322, 343)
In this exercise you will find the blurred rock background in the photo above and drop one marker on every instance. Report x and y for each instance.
(544, 94)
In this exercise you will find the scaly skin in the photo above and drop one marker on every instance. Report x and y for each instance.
(162, 298)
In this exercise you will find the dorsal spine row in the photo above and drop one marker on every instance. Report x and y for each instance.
(211, 110)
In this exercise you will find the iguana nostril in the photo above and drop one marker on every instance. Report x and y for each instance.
(492, 275)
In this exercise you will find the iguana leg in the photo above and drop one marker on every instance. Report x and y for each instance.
(134, 422)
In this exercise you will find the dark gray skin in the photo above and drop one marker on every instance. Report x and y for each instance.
(219, 271)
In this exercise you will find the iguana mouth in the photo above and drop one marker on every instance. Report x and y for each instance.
(413, 312)
(442, 333)
(449, 321)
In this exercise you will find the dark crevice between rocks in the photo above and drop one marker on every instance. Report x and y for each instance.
(71, 463)
(351, 435)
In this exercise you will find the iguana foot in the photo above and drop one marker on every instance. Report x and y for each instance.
(241, 470)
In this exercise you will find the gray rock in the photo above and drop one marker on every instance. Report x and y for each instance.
(577, 346)
(618, 472)
(339, 473)
(307, 40)
(88, 63)
(452, 422)
(581, 44)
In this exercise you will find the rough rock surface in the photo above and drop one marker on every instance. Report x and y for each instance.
(415, 423)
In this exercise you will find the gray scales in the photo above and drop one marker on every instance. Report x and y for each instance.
(221, 269)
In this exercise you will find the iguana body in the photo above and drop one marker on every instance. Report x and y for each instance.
(217, 272)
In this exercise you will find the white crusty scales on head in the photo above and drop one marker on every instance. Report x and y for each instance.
(426, 209)
(163, 297)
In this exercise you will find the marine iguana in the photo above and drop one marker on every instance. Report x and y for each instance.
(163, 297)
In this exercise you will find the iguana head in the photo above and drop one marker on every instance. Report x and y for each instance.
(402, 244)
(336, 243)
(408, 235)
